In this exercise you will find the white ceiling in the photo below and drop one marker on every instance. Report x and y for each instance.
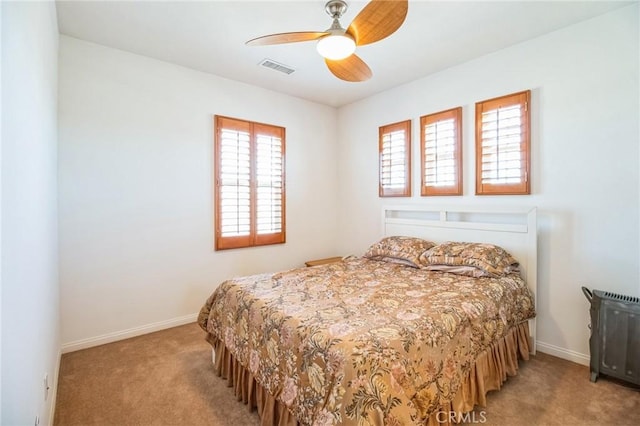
(209, 36)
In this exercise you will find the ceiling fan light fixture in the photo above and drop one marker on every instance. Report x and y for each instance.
(336, 46)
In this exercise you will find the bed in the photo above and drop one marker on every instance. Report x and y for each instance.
(416, 331)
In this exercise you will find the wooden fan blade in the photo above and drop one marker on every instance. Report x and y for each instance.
(351, 68)
(379, 19)
(286, 38)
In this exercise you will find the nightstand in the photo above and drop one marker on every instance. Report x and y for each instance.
(323, 261)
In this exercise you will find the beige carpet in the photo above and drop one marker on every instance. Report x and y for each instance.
(166, 378)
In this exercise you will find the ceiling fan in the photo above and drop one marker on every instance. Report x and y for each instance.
(378, 20)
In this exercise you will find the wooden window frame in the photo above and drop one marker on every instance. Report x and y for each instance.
(382, 130)
(425, 120)
(524, 186)
(253, 239)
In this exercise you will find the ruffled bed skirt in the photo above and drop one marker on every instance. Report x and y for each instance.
(489, 372)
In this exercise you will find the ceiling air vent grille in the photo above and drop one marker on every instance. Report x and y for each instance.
(276, 66)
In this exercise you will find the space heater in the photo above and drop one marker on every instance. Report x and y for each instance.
(615, 335)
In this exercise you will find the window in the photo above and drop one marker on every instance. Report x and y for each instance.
(441, 153)
(502, 145)
(249, 185)
(395, 159)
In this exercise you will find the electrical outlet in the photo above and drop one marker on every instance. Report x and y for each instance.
(46, 386)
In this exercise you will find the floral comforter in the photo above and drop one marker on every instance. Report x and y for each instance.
(363, 341)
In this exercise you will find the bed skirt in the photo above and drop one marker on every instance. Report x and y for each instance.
(489, 372)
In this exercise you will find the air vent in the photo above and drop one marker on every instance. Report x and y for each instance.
(276, 66)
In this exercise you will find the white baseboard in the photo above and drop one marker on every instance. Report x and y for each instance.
(563, 353)
(125, 334)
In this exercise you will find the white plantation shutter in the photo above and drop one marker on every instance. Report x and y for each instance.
(395, 159)
(269, 183)
(441, 153)
(235, 183)
(249, 201)
(393, 164)
(502, 145)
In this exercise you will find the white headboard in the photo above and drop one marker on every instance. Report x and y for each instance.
(513, 228)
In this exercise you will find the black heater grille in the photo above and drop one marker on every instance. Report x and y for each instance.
(615, 335)
(620, 297)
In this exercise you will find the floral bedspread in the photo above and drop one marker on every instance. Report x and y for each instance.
(363, 341)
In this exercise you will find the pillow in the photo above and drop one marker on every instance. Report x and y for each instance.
(467, 271)
(489, 259)
(397, 249)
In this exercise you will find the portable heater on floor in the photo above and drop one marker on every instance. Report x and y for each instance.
(615, 335)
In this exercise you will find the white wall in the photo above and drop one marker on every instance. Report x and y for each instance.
(30, 301)
(0, 213)
(585, 113)
(135, 189)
